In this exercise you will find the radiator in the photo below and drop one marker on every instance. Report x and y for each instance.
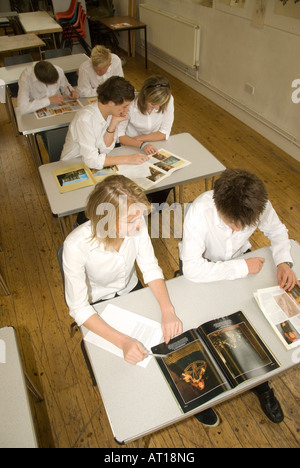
(174, 35)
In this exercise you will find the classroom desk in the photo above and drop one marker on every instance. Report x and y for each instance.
(20, 42)
(68, 63)
(29, 125)
(203, 165)
(40, 22)
(11, 74)
(138, 401)
(127, 23)
(16, 428)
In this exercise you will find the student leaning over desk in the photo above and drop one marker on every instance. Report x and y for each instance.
(43, 84)
(92, 133)
(216, 234)
(150, 119)
(100, 264)
(98, 68)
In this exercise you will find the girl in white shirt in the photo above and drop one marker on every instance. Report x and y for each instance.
(97, 69)
(99, 258)
(41, 85)
(150, 117)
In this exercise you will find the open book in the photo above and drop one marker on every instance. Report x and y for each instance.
(69, 105)
(282, 310)
(219, 355)
(161, 165)
(79, 176)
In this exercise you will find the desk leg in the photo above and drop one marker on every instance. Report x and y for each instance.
(129, 43)
(146, 48)
(181, 194)
(34, 149)
(11, 111)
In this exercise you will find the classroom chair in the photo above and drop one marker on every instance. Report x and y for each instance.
(16, 60)
(54, 141)
(52, 53)
(74, 324)
(13, 88)
(2, 282)
(66, 15)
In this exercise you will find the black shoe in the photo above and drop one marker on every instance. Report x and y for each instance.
(270, 406)
(208, 418)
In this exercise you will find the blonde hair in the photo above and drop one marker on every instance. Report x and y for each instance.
(100, 56)
(106, 204)
(156, 90)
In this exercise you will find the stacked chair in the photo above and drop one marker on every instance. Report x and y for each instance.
(73, 22)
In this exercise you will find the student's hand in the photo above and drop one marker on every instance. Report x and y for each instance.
(57, 99)
(255, 265)
(150, 149)
(287, 279)
(137, 159)
(134, 351)
(170, 325)
(74, 95)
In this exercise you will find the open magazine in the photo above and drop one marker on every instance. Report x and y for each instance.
(282, 310)
(79, 176)
(69, 105)
(161, 165)
(204, 362)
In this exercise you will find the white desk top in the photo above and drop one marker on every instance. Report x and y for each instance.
(16, 427)
(39, 22)
(204, 165)
(138, 401)
(68, 63)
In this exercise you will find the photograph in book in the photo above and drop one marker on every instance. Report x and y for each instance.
(282, 310)
(217, 356)
(57, 109)
(79, 176)
(161, 165)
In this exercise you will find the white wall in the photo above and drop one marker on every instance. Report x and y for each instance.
(234, 53)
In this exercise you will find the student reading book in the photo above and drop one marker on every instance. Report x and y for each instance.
(98, 68)
(43, 84)
(99, 262)
(217, 229)
(202, 363)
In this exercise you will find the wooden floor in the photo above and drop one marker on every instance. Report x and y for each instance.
(72, 413)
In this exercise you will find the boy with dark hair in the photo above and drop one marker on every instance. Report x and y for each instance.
(42, 84)
(219, 224)
(92, 133)
(217, 229)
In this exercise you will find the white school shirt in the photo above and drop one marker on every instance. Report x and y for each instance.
(88, 80)
(93, 273)
(85, 137)
(34, 95)
(143, 124)
(209, 247)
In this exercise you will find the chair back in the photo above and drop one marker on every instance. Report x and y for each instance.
(60, 261)
(52, 53)
(55, 140)
(17, 60)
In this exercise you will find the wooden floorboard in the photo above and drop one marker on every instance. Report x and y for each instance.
(72, 413)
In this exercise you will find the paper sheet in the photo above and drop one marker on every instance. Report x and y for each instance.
(142, 329)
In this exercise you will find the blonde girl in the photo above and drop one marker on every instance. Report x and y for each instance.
(99, 262)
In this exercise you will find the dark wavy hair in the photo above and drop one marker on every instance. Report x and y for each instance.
(115, 89)
(240, 197)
